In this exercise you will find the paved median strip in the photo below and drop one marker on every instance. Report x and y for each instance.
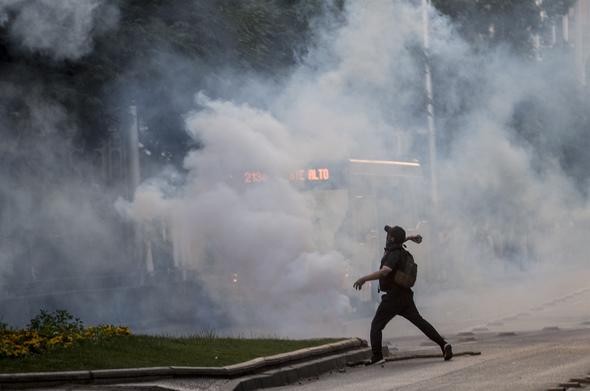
(105, 376)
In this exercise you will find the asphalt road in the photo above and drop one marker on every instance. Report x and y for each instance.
(525, 361)
(530, 338)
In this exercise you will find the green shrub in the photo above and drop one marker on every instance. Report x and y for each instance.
(58, 322)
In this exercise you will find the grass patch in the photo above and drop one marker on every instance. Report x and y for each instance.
(151, 351)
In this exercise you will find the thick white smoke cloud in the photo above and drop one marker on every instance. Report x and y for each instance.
(261, 235)
(360, 94)
(506, 207)
(291, 278)
(54, 216)
(63, 29)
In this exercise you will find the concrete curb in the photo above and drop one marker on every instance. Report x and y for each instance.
(293, 373)
(309, 369)
(110, 376)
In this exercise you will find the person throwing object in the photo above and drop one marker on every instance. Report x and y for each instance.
(396, 277)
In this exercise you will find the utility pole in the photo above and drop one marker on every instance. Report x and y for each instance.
(433, 226)
(141, 247)
(134, 173)
(429, 106)
(581, 12)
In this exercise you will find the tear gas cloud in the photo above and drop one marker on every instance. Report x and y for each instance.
(503, 211)
(50, 197)
(64, 29)
(276, 259)
(55, 217)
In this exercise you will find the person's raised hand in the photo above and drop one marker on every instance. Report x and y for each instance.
(358, 284)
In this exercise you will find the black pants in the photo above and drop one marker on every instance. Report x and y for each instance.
(399, 303)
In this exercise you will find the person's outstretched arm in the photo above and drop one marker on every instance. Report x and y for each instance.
(358, 284)
(414, 238)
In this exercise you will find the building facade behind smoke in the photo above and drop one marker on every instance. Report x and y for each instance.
(579, 33)
(572, 30)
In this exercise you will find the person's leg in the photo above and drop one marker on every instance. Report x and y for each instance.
(411, 313)
(385, 312)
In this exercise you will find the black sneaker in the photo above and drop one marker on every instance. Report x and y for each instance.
(447, 351)
(375, 360)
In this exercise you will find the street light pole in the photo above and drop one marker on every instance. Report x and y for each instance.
(134, 170)
(429, 105)
(139, 251)
(433, 242)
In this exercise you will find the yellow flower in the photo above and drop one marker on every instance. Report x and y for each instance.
(55, 340)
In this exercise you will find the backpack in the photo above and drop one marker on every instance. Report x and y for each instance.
(405, 273)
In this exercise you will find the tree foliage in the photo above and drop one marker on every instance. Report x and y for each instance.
(508, 22)
(158, 57)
